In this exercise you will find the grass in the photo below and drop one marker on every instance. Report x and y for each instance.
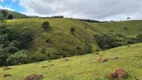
(133, 27)
(83, 67)
(60, 33)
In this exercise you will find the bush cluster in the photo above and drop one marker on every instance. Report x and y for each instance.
(106, 41)
(72, 30)
(45, 25)
(11, 42)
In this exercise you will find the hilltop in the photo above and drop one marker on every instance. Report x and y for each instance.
(15, 14)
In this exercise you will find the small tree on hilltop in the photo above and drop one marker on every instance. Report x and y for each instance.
(72, 30)
(45, 25)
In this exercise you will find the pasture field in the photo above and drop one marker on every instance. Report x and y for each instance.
(83, 67)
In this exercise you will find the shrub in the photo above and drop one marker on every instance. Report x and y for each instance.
(3, 55)
(111, 30)
(4, 39)
(78, 48)
(139, 38)
(39, 57)
(48, 41)
(130, 40)
(72, 30)
(109, 41)
(13, 46)
(12, 49)
(25, 39)
(3, 29)
(45, 25)
(4, 13)
(10, 16)
(114, 40)
(43, 51)
(14, 43)
(88, 47)
(18, 58)
(11, 41)
(125, 28)
(53, 56)
(57, 17)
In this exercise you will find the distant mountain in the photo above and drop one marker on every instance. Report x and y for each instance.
(15, 14)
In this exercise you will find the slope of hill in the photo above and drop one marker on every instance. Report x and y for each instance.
(127, 28)
(15, 14)
(59, 34)
(83, 67)
(58, 41)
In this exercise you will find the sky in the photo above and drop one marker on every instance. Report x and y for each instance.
(85, 9)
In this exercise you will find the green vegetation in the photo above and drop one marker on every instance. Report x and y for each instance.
(83, 67)
(11, 42)
(4, 14)
(45, 25)
(53, 38)
(107, 41)
(139, 38)
(19, 57)
(10, 16)
(72, 30)
(7, 14)
(34, 39)
(133, 27)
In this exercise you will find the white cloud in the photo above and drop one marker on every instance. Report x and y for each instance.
(14, 1)
(94, 9)
(1, 0)
(7, 8)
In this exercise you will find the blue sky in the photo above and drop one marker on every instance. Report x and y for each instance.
(12, 4)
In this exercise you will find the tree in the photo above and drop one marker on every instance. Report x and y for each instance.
(3, 55)
(45, 25)
(1, 18)
(139, 38)
(110, 41)
(4, 13)
(72, 30)
(18, 58)
(128, 18)
(10, 16)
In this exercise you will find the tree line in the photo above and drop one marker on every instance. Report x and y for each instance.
(5, 15)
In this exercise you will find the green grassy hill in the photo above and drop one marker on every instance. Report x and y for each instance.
(83, 67)
(127, 28)
(15, 14)
(58, 42)
(60, 32)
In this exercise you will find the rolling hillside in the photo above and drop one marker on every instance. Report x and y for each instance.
(15, 14)
(60, 32)
(83, 67)
(58, 42)
(127, 28)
